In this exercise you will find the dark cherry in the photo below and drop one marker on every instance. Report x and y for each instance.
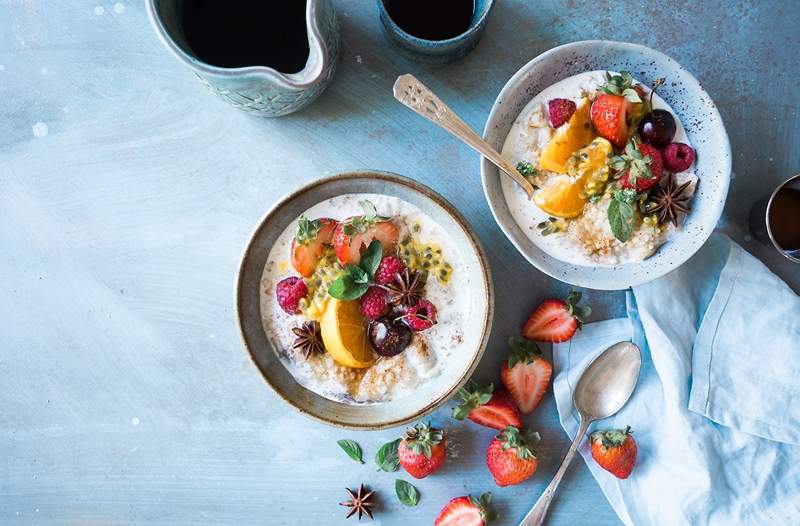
(389, 337)
(657, 128)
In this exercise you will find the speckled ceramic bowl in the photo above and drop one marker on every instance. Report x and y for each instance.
(687, 98)
(430, 394)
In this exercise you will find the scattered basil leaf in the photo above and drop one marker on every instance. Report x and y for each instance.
(386, 458)
(371, 258)
(620, 217)
(352, 449)
(406, 492)
(345, 289)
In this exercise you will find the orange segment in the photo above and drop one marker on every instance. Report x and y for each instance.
(344, 336)
(562, 198)
(572, 136)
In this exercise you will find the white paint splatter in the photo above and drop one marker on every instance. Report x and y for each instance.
(99, 10)
(359, 59)
(119, 8)
(40, 130)
(44, 71)
(2, 67)
(135, 420)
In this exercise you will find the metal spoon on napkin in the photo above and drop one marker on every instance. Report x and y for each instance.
(414, 94)
(602, 390)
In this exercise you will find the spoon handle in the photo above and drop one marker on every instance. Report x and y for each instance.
(536, 516)
(414, 94)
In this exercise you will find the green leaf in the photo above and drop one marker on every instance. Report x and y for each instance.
(386, 457)
(357, 274)
(371, 258)
(620, 217)
(631, 95)
(406, 492)
(345, 289)
(352, 449)
(369, 209)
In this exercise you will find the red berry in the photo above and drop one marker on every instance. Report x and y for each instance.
(678, 156)
(289, 292)
(560, 111)
(374, 304)
(421, 316)
(388, 268)
(642, 183)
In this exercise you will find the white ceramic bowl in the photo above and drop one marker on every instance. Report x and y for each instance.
(688, 100)
(475, 278)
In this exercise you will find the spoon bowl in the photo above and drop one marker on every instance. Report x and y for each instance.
(608, 382)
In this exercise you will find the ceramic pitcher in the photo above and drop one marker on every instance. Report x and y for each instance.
(259, 89)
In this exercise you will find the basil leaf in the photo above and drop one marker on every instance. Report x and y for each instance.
(352, 449)
(406, 493)
(386, 457)
(345, 289)
(620, 217)
(371, 258)
(357, 274)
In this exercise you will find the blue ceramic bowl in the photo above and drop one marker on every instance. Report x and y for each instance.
(437, 51)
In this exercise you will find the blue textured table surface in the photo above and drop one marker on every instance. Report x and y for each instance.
(127, 193)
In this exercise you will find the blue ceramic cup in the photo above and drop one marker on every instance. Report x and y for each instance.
(436, 51)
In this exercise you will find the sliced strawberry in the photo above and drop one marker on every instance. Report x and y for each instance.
(350, 246)
(466, 511)
(309, 243)
(526, 375)
(555, 320)
(610, 118)
(487, 407)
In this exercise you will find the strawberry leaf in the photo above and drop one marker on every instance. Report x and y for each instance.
(352, 449)
(406, 492)
(307, 229)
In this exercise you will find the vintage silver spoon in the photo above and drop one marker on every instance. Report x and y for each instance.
(602, 390)
(414, 94)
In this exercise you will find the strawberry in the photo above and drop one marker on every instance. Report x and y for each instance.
(614, 450)
(422, 451)
(609, 115)
(353, 235)
(526, 374)
(487, 407)
(642, 164)
(555, 321)
(511, 458)
(560, 111)
(466, 511)
(309, 242)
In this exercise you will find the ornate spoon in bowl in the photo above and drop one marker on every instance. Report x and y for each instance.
(414, 94)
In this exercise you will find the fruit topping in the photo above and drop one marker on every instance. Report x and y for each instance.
(466, 511)
(526, 374)
(487, 406)
(614, 450)
(309, 242)
(560, 111)
(289, 292)
(344, 336)
(641, 164)
(555, 320)
(353, 235)
(669, 200)
(576, 134)
(422, 450)
(308, 339)
(389, 337)
(678, 156)
(374, 303)
(592, 163)
(360, 502)
(388, 268)
(563, 197)
(420, 317)
(407, 287)
(357, 278)
(511, 458)
(657, 128)
(622, 85)
(610, 118)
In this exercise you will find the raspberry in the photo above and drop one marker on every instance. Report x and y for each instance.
(289, 292)
(374, 304)
(420, 316)
(560, 111)
(388, 268)
(678, 156)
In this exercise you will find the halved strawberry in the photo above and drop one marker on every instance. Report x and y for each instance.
(466, 511)
(555, 320)
(610, 118)
(487, 407)
(353, 236)
(526, 374)
(309, 241)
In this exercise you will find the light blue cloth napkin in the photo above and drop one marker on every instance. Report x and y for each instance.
(716, 411)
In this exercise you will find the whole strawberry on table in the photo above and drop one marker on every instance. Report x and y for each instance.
(614, 450)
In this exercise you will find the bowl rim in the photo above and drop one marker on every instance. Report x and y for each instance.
(714, 214)
(483, 263)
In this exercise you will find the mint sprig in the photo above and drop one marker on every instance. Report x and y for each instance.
(357, 278)
(621, 213)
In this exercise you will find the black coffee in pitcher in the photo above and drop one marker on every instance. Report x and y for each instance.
(239, 33)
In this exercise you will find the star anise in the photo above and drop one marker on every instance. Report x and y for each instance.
(670, 200)
(360, 502)
(309, 339)
(407, 287)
